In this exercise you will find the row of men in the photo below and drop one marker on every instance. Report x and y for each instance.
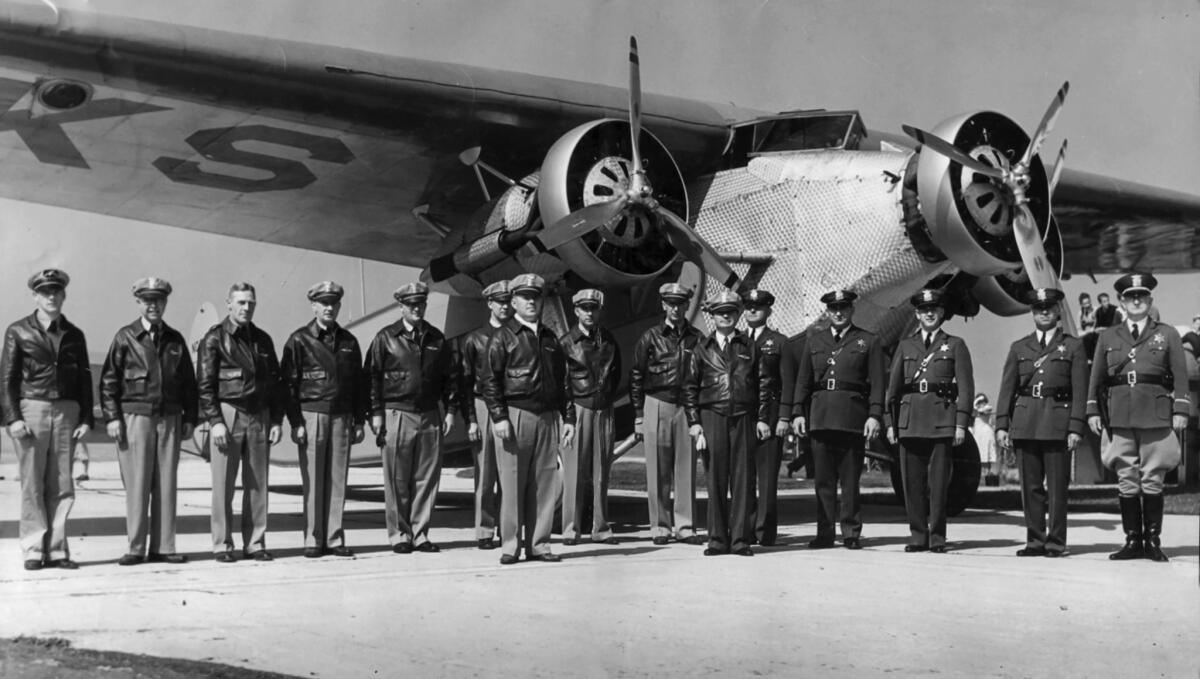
(535, 392)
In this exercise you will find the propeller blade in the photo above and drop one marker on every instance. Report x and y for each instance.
(1044, 127)
(581, 222)
(635, 102)
(951, 151)
(1033, 251)
(1056, 174)
(695, 249)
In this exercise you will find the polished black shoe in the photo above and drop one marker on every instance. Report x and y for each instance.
(713, 551)
(403, 548)
(313, 552)
(693, 540)
(1031, 551)
(1132, 549)
(65, 564)
(661, 540)
(1131, 523)
(167, 558)
(428, 547)
(130, 560)
(487, 543)
(570, 542)
(342, 551)
(915, 548)
(507, 559)
(938, 549)
(225, 557)
(852, 543)
(821, 543)
(33, 564)
(1154, 551)
(262, 555)
(547, 557)
(744, 551)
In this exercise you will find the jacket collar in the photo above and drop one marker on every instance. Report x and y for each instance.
(32, 321)
(314, 328)
(232, 328)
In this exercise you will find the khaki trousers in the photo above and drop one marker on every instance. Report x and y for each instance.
(586, 463)
(47, 492)
(149, 463)
(412, 468)
(486, 480)
(670, 460)
(1141, 458)
(248, 443)
(324, 466)
(529, 481)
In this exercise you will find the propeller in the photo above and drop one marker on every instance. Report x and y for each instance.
(1015, 179)
(639, 195)
(1056, 174)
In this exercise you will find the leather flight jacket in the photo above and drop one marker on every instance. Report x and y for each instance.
(732, 381)
(593, 367)
(472, 359)
(658, 362)
(413, 373)
(322, 373)
(143, 379)
(526, 370)
(237, 366)
(32, 369)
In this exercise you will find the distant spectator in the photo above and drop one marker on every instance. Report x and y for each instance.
(1191, 338)
(985, 435)
(1087, 314)
(1107, 315)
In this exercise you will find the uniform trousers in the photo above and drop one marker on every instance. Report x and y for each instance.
(149, 463)
(324, 466)
(248, 444)
(486, 481)
(669, 460)
(529, 481)
(47, 492)
(1141, 458)
(1045, 476)
(764, 489)
(586, 463)
(925, 465)
(730, 443)
(838, 457)
(412, 470)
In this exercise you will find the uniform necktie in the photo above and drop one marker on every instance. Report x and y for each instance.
(1135, 331)
(155, 334)
(1042, 341)
(928, 341)
(837, 337)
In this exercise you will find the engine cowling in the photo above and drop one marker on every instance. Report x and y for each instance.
(589, 165)
(1004, 294)
(968, 217)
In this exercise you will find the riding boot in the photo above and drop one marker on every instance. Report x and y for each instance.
(1131, 521)
(1152, 515)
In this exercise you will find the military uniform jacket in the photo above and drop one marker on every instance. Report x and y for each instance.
(770, 344)
(526, 370)
(841, 383)
(237, 365)
(1137, 402)
(31, 368)
(323, 373)
(789, 368)
(142, 379)
(593, 367)
(732, 381)
(930, 390)
(658, 362)
(413, 372)
(1043, 391)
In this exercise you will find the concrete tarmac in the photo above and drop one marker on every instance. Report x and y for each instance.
(628, 610)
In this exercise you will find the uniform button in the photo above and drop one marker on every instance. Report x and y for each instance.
(1040, 371)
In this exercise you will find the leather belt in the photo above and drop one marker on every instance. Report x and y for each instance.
(943, 389)
(1132, 378)
(1040, 391)
(834, 384)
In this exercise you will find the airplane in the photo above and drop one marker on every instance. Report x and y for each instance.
(477, 174)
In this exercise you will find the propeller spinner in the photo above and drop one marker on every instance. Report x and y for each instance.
(638, 197)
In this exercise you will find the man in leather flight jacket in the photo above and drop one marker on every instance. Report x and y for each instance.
(767, 454)
(322, 374)
(525, 390)
(1043, 390)
(243, 403)
(726, 389)
(46, 398)
(148, 396)
(472, 356)
(929, 405)
(413, 385)
(593, 372)
(655, 389)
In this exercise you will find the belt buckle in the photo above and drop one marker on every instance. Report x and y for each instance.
(831, 384)
(923, 387)
(1036, 392)
(1131, 378)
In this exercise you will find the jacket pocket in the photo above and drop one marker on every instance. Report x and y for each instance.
(1162, 407)
(395, 375)
(312, 375)
(905, 413)
(517, 373)
(134, 383)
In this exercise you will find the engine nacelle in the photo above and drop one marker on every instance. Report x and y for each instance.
(1004, 295)
(589, 165)
(969, 217)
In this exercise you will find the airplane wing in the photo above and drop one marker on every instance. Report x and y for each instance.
(304, 145)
